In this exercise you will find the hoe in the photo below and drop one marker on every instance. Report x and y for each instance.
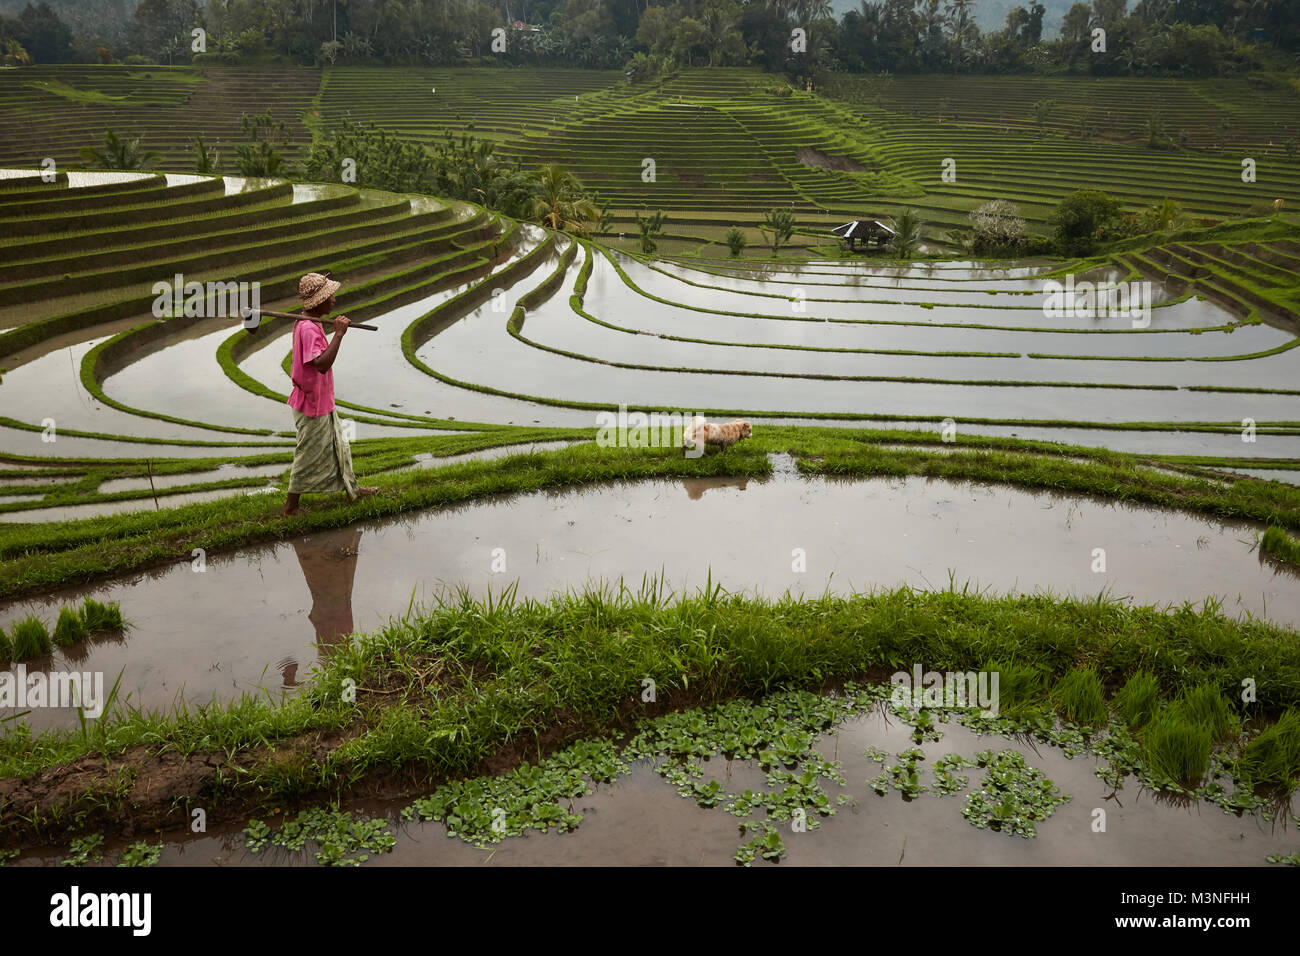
(256, 314)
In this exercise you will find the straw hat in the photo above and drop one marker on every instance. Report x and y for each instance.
(315, 289)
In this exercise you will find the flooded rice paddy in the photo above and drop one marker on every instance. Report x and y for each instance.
(255, 621)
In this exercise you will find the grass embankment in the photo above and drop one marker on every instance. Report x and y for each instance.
(39, 557)
(470, 686)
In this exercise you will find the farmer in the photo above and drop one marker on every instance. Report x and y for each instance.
(322, 461)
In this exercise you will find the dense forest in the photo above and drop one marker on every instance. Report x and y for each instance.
(799, 37)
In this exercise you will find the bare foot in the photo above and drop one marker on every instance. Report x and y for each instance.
(367, 491)
(286, 511)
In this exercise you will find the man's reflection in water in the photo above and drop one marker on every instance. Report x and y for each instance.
(696, 487)
(329, 563)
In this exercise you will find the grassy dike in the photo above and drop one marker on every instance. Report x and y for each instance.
(38, 557)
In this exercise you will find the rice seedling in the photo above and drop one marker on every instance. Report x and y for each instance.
(1078, 697)
(1204, 705)
(1272, 759)
(1177, 748)
(1020, 687)
(1138, 700)
(30, 638)
(70, 628)
(101, 617)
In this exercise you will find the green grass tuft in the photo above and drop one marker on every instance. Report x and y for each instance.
(1020, 687)
(30, 638)
(1138, 700)
(1207, 707)
(6, 649)
(1079, 698)
(101, 617)
(1177, 748)
(70, 628)
(1273, 758)
(1281, 545)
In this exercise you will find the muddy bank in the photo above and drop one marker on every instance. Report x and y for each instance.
(640, 820)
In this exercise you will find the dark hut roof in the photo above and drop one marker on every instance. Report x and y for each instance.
(861, 227)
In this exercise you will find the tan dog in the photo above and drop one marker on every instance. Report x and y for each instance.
(722, 435)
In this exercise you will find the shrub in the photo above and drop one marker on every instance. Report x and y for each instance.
(1080, 219)
(998, 228)
(1273, 758)
(1176, 748)
(118, 154)
(1079, 698)
(29, 638)
(70, 628)
(1138, 700)
(736, 241)
(101, 617)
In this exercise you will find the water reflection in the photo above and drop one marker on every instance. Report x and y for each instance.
(329, 565)
(696, 487)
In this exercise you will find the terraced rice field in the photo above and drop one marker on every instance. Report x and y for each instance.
(725, 147)
(987, 438)
(488, 324)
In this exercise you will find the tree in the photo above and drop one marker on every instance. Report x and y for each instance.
(259, 156)
(561, 203)
(1080, 218)
(907, 234)
(44, 37)
(736, 241)
(206, 162)
(118, 154)
(651, 227)
(371, 158)
(778, 226)
(997, 226)
(961, 25)
(1043, 110)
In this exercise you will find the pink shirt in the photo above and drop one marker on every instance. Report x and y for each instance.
(313, 391)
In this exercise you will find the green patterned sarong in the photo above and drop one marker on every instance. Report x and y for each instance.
(322, 460)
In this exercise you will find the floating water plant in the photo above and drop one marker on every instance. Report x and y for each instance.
(1013, 796)
(769, 846)
(29, 638)
(141, 854)
(339, 837)
(84, 850)
(70, 628)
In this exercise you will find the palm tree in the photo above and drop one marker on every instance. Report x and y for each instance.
(561, 203)
(907, 234)
(118, 154)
